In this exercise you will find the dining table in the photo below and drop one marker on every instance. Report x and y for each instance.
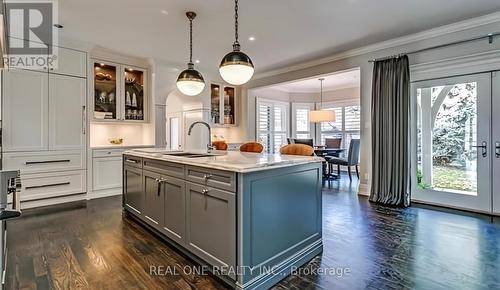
(324, 152)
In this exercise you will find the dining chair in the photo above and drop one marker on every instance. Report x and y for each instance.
(252, 147)
(352, 159)
(220, 145)
(333, 142)
(297, 149)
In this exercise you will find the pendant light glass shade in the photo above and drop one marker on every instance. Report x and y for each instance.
(320, 116)
(190, 81)
(236, 67)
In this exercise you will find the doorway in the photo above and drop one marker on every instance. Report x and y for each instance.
(455, 145)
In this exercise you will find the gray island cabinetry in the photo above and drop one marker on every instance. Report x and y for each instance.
(249, 217)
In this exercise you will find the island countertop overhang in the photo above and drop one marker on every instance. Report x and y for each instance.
(235, 161)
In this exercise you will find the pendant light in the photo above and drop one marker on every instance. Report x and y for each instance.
(236, 67)
(319, 116)
(190, 81)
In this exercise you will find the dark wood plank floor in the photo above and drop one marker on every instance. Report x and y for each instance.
(89, 245)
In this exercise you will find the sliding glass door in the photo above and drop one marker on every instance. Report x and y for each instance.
(452, 142)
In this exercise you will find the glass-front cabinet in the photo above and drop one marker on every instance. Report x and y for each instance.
(106, 85)
(223, 104)
(119, 92)
(133, 79)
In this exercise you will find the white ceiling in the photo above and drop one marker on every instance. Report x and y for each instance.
(287, 31)
(343, 80)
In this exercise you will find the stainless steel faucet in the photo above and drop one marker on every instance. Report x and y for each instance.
(210, 147)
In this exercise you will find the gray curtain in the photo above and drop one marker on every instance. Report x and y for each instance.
(390, 132)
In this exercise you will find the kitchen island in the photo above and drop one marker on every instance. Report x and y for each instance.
(249, 218)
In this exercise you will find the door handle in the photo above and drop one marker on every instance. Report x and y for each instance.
(484, 146)
(84, 120)
(497, 149)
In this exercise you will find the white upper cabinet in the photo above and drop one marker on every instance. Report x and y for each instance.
(70, 62)
(67, 112)
(25, 110)
(223, 104)
(119, 93)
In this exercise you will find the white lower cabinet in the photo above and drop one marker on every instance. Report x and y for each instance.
(106, 173)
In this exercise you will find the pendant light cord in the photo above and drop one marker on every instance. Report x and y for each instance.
(190, 41)
(236, 44)
(236, 20)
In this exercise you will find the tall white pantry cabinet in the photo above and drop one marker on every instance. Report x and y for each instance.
(44, 128)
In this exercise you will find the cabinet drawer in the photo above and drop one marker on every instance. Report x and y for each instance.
(47, 185)
(221, 179)
(49, 161)
(132, 161)
(108, 153)
(163, 167)
(211, 224)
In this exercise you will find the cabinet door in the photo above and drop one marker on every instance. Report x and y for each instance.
(67, 112)
(229, 106)
(106, 172)
(211, 228)
(105, 78)
(134, 98)
(153, 210)
(215, 104)
(70, 62)
(133, 190)
(25, 110)
(174, 221)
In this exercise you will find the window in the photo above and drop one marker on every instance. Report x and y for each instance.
(301, 127)
(272, 120)
(347, 125)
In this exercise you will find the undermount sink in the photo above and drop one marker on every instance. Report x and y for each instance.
(189, 154)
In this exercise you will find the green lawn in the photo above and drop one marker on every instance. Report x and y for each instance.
(446, 177)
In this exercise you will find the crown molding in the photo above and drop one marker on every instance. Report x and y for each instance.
(391, 43)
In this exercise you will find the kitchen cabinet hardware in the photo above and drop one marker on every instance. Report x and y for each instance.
(47, 185)
(47, 161)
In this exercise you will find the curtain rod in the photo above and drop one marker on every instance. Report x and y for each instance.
(490, 37)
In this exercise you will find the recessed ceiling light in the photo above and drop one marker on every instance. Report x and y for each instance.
(164, 12)
(197, 61)
(251, 38)
(58, 26)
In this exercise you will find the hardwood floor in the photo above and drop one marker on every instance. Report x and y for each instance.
(89, 245)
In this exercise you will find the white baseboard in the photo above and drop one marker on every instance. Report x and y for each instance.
(104, 193)
(364, 189)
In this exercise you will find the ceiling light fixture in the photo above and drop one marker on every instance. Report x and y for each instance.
(190, 81)
(236, 67)
(251, 38)
(320, 116)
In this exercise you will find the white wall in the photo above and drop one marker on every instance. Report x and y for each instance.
(360, 57)
(340, 95)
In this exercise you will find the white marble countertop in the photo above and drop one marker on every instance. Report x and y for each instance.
(120, 146)
(228, 160)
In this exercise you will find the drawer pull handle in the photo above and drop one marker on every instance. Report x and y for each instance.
(48, 185)
(132, 161)
(46, 161)
(207, 176)
(205, 191)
